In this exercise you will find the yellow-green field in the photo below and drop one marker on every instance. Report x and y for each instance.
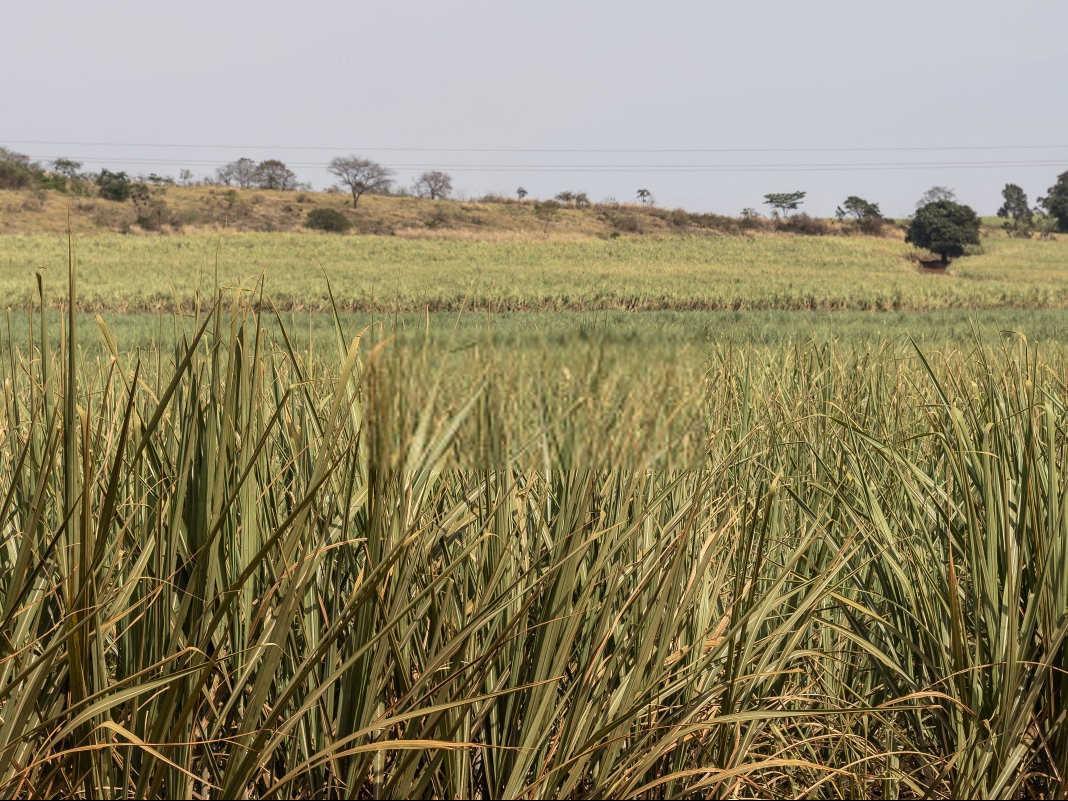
(233, 569)
(765, 271)
(297, 515)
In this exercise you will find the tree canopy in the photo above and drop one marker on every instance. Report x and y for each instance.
(434, 185)
(785, 202)
(944, 227)
(934, 194)
(360, 175)
(1056, 202)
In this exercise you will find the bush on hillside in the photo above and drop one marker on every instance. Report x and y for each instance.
(16, 170)
(151, 211)
(113, 185)
(324, 219)
(804, 225)
(623, 222)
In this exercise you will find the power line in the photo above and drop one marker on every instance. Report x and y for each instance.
(626, 168)
(509, 149)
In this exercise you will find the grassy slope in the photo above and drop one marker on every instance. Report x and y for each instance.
(212, 208)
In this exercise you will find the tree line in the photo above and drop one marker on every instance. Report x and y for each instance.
(940, 223)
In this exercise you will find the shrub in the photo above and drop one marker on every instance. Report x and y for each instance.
(324, 219)
(113, 185)
(547, 211)
(623, 222)
(16, 170)
(751, 219)
(153, 214)
(711, 222)
(805, 225)
(150, 209)
(679, 218)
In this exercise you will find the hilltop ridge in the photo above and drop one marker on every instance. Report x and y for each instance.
(174, 209)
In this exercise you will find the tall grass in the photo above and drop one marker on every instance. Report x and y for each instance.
(376, 274)
(231, 569)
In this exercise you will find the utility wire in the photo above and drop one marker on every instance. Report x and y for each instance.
(621, 168)
(399, 149)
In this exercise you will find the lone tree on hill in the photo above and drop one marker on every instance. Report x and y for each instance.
(360, 175)
(785, 202)
(945, 228)
(521, 193)
(274, 174)
(1056, 202)
(645, 197)
(434, 185)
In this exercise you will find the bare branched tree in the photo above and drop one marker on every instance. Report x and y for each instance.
(360, 175)
(241, 172)
(434, 185)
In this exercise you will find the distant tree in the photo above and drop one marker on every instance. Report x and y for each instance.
(566, 197)
(13, 157)
(935, 194)
(274, 174)
(150, 209)
(114, 185)
(185, 177)
(645, 197)
(582, 201)
(864, 214)
(1015, 203)
(360, 175)
(785, 202)
(434, 185)
(1019, 217)
(521, 193)
(1045, 224)
(68, 168)
(1056, 202)
(944, 227)
(16, 170)
(858, 208)
(240, 173)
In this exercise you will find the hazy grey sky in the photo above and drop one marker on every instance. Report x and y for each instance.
(603, 74)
